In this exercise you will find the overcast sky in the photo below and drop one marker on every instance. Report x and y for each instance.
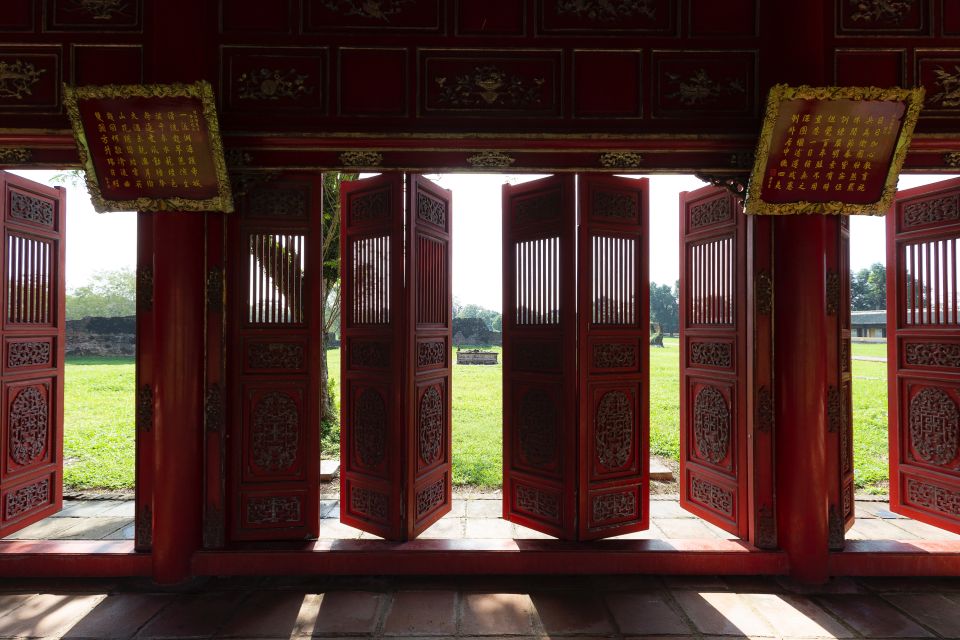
(104, 241)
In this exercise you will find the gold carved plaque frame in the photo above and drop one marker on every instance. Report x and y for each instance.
(201, 91)
(779, 94)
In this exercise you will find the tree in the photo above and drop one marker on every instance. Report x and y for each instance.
(330, 281)
(868, 288)
(107, 293)
(664, 308)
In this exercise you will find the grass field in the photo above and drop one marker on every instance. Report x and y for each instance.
(99, 415)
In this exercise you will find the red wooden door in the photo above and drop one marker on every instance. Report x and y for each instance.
(839, 396)
(539, 356)
(613, 342)
(31, 372)
(273, 423)
(429, 298)
(923, 346)
(713, 359)
(395, 366)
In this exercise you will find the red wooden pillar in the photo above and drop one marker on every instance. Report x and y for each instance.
(800, 343)
(179, 308)
(178, 347)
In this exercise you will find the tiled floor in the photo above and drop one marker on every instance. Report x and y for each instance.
(472, 516)
(529, 607)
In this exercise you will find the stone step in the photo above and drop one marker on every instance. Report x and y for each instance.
(660, 472)
(328, 470)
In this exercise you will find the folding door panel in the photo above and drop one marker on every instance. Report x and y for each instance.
(273, 426)
(374, 338)
(613, 342)
(428, 394)
(713, 359)
(31, 373)
(539, 354)
(923, 344)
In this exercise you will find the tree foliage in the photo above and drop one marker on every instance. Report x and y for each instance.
(107, 293)
(492, 319)
(868, 288)
(664, 307)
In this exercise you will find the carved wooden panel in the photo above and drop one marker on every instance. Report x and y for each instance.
(22, 500)
(30, 418)
(939, 73)
(432, 353)
(274, 431)
(326, 16)
(370, 423)
(870, 67)
(610, 508)
(712, 495)
(607, 84)
(491, 17)
(600, 17)
(282, 79)
(538, 426)
(615, 356)
(536, 355)
(431, 428)
(615, 430)
(882, 17)
(93, 15)
(711, 354)
(516, 83)
(106, 64)
(278, 200)
(933, 427)
(940, 354)
(541, 503)
(388, 96)
(278, 356)
(932, 497)
(273, 511)
(430, 497)
(722, 84)
(712, 428)
(368, 504)
(30, 78)
(29, 353)
(368, 354)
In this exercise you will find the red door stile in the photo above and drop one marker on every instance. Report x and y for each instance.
(839, 397)
(429, 394)
(539, 356)
(145, 385)
(923, 346)
(713, 359)
(613, 342)
(215, 440)
(274, 362)
(374, 338)
(32, 332)
(760, 382)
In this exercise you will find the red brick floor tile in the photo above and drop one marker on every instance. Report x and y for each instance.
(643, 613)
(872, 616)
(571, 612)
(349, 612)
(497, 613)
(47, 614)
(119, 615)
(937, 611)
(193, 615)
(273, 614)
(719, 613)
(426, 613)
(791, 615)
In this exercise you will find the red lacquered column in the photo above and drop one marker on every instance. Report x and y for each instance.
(800, 345)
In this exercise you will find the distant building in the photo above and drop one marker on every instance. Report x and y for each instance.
(868, 324)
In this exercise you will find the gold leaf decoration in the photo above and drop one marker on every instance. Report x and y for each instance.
(361, 159)
(490, 159)
(620, 160)
(15, 155)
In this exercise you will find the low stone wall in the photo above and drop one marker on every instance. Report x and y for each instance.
(476, 357)
(93, 336)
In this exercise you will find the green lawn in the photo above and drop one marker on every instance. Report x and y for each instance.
(99, 416)
(98, 439)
